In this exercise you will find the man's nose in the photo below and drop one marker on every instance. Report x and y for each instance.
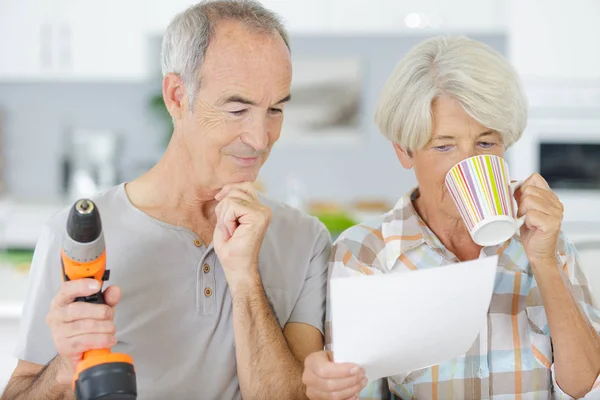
(257, 136)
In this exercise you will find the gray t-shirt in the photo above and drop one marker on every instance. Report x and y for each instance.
(175, 316)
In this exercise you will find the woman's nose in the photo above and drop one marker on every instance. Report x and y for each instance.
(468, 152)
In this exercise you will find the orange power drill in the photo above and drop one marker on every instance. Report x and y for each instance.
(101, 375)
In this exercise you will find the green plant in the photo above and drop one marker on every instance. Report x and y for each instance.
(335, 222)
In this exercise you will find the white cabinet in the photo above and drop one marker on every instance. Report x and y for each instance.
(160, 12)
(72, 40)
(416, 16)
(25, 36)
(481, 16)
(108, 40)
(103, 39)
(365, 16)
(305, 16)
(300, 16)
(553, 39)
(358, 16)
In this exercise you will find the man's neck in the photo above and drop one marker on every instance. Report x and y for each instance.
(169, 192)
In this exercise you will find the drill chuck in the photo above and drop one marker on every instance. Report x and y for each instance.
(84, 224)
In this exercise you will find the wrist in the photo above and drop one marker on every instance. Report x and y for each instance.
(245, 284)
(544, 264)
(546, 272)
(62, 372)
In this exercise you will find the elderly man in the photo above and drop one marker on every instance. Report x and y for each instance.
(217, 293)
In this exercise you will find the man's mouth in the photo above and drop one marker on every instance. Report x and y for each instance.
(246, 161)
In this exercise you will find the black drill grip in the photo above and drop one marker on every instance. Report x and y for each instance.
(96, 298)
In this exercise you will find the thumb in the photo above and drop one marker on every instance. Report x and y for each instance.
(221, 234)
(112, 295)
(328, 354)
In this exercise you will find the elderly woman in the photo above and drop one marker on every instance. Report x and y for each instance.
(449, 99)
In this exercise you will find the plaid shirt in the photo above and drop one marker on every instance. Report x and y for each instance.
(512, 356)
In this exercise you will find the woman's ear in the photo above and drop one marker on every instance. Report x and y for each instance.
(405, 156)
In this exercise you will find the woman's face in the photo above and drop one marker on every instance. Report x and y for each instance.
(455, 137)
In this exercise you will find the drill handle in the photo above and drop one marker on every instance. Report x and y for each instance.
(96, 298)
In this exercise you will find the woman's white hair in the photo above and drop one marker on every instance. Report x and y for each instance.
(188, 35)
(485, 84)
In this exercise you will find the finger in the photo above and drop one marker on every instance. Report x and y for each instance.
(82, 343)
(535, 219)
(70, 290)
(236, 193)
(221, 233)
(352, 392)
(339, 384)
(112, 295)
(545, 194)
(219, 212)
(87, 326)
(538, 191)
(80, 310)
(245, 187)
(223, 192)
(229, 216)
(534, 202)
(235, 212)
(218, 208)
(536, 180)
(320, 365)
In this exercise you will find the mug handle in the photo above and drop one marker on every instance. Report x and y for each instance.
(514, 185)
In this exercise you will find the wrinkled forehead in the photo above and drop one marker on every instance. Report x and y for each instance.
(239, 58)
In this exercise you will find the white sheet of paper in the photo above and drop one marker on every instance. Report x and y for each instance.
(398, 323)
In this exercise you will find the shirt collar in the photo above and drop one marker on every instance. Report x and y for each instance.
(403, 230)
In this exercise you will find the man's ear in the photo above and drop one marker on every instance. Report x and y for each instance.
(405, 156)
(174, 95)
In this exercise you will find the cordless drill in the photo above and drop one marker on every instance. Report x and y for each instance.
(101, 374)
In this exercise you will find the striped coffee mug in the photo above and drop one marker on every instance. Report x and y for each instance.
(483, 193)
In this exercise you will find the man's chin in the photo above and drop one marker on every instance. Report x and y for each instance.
(242, 177)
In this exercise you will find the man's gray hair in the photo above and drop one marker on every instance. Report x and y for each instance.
(485, 84)
(188, 35)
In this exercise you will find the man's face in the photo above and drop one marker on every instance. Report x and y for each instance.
(238, 111)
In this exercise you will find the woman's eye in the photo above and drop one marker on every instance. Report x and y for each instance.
(238, 112)
(487, 145)
(275, 110)
(443, 148)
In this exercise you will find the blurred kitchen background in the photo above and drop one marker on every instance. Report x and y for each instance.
(83, 71)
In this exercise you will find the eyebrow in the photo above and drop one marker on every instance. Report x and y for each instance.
(243, 100)
(447, 137)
